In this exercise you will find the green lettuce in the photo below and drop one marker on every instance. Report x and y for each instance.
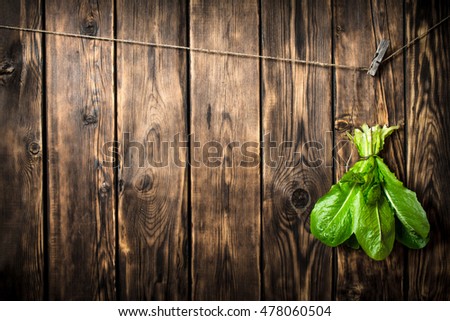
(369, 207)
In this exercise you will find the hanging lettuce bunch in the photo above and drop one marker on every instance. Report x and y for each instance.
(369, 206)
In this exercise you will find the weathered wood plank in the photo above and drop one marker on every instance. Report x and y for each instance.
(428, 154)
(152, 104)
(297, 108)
(360, 98)
(225, 111)
(21, 207)
(80, 113)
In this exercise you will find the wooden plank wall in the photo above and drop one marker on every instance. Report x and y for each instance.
(122, 172)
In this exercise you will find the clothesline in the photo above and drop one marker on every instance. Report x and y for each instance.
(225, 52)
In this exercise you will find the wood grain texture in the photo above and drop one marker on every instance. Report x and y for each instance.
(152, 110)
(428, 115)
(21, 207)
(360, 98)
(225, 194)
(80, 113)
(162, 94)
(296, 108)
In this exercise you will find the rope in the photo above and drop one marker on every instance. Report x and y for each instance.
(193, 49)
(224, 52)
(409, 44)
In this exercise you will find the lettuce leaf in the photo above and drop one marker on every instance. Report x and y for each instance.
(414, 227)
(331, 218)
(374, 226)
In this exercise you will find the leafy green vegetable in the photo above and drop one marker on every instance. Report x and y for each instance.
(369, 206)
(374, 226)
(332, 223)
(408, 238)
(405, 203)
(332, 219)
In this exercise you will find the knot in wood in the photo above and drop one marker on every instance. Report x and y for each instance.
(144, 183)
(89, 27)
(104, 189)
(342, 125)
(34, 148)
(300, 198)
(90, 119)
(6, 67)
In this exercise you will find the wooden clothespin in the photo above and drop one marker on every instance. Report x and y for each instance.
(378, 58)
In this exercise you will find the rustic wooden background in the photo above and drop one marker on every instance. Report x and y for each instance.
(72, 229)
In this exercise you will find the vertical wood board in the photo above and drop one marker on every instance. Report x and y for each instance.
(428, 153)
(224, 116)
(152, 113)
(21, 154)
(297, 168)
(80, 113)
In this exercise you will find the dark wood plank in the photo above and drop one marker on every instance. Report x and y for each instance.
(360, 98)
(296, 108)
(21, 207)
(428, 158)
(152, 100)
(225, 109)
(80, 113)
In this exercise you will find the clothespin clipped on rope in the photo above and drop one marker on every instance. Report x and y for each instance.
(378, 57)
